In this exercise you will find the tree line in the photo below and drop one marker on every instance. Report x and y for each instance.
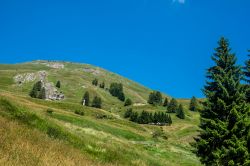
(158, 118)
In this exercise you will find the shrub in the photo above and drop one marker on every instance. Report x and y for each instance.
(128, 102)
(79, 112)
(50, 111)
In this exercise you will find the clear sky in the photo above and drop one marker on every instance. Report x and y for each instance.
(163, 44)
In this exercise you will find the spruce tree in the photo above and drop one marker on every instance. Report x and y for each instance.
(116, 89)
(42, 94)
(155, 98)
(165, 103)
(102, 85)
(35, 92)
(97, 102)
(172, 106)
(95, 82)
(247, 78)
(193, 106)
(134, 117)
(225, 118)
(180, 112)
(58, 84)
(128, 113)
(85, 99)
(128, 102)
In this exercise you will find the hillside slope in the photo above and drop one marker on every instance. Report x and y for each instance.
(101, 136)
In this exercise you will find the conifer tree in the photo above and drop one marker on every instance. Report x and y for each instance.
(42, 94)
(95, 82)
(193, 106)
(102, 85)
(116, 89)
(128, 102)
(225, 118)
(37, 87)
(128, 113)
(172, 106)
(85, 99)
(165, 103)
(155, 98)
(58, 84)
(247, 78)
(180, 112)
(97, 102)
(134, 117)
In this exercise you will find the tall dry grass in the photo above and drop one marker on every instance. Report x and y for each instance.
(20, 145)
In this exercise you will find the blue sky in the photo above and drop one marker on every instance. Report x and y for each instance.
(163, 44)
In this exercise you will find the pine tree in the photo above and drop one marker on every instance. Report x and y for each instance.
(247, 78)
(155, 98)
(58, 84)
(102, 85)
(42, 94)
(97, 102)
(85, 99)
(169, 120)
(116, 89)
(128, 113)
(173, 106)
(128, 102)
(165, 103)
(134, 117)
(193, 106)
(121, 96)
(180, 112)
(37, 87)
(95, 82)
(225, 118)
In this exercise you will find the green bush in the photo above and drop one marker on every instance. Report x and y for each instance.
(55, 132)
(79, 112)
(50, 111)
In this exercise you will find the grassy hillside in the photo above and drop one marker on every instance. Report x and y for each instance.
(88, 139)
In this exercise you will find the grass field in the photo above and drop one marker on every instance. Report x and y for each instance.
(71, 139)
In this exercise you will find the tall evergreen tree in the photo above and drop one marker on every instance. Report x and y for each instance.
(58, 84)
(97, 102)
(116, 89)
(172, 106)
(37, 87)
(85, 99)
(165, 103)
(180, 112)
(247, 78)
(225, 118)
(193, 106)
(42, 94)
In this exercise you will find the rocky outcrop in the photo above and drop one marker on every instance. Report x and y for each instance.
(29, 77)
(51, 92)
(93, 71)
(55, 65)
